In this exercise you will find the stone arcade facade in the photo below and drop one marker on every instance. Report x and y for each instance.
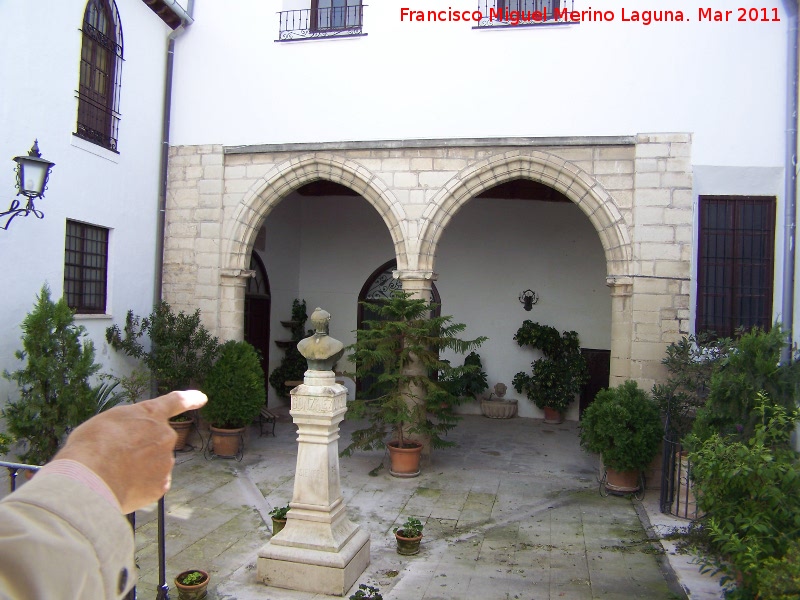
(636, 191)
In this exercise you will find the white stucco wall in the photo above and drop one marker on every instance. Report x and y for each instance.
(724, 82)
(88, 183)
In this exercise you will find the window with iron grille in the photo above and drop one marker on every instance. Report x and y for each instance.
(735, 263)
(100, 69)
(335, 14)
(498, 12)
(86, 267)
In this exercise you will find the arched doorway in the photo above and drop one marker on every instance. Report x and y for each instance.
(257, 306)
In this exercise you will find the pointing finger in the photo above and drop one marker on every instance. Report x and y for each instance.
(173, 404)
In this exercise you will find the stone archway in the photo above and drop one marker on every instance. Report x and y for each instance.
(578, 186)
(241, 229)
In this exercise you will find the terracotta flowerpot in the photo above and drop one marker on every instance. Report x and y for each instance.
(182, 428)
(277, 525)
(406, 545)
(622, 482)
(499, 409)
(551, 415)
(226, 443)
(192, 592)
(405, 461)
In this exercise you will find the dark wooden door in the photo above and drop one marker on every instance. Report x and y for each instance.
(257, 307)
(599, 364)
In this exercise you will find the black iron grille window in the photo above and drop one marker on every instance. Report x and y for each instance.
(86, 267)
(325, 18)
(520, 12)
(101, 65)
(735, 263)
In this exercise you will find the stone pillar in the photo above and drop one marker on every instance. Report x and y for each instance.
(232, 287)
(621, 328)
(420, 285)
(319, 550)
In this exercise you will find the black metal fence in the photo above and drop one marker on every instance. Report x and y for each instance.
(677, 487)
(320, 22)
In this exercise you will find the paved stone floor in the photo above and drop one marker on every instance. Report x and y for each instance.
(512, 512)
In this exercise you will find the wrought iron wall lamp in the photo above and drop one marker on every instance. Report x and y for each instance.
(528, 298)
(33, 172)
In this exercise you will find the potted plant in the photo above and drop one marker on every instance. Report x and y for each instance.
(192, 584)
(235, 390)
(496, 406)
(180, 353)
(293, 365)
(409, 536)
(558, 376)
(624, 427)
(278, 518)
(366, 592)
(399, 352)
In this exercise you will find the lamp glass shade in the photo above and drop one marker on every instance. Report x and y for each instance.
(33, 174)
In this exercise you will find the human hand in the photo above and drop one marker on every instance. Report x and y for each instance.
(131, 447)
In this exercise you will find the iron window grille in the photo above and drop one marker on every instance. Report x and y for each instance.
(735, 266)
(100, 70)
(325, 18)
(502, 13)
(86, 267)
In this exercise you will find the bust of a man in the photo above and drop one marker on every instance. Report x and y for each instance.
(320, 350)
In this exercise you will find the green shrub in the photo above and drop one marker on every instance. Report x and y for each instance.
(468, 380)
(752, 366)
(293, 365)
(559, 374)
(750, 494)
(779, 578)
(55, 395)
(623, 426)
(181, 349)
(234, 386)
(366, 592)
(691, 363)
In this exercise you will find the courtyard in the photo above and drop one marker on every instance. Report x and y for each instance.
(512, 512)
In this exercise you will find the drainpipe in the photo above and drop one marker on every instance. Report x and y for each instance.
(186, 20)
(790, 194)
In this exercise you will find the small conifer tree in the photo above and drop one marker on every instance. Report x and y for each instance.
(400, 353)
(55, 395)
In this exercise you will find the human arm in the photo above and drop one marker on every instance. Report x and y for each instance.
(63, 534)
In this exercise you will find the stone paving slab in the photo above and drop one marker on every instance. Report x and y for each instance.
(513, 512)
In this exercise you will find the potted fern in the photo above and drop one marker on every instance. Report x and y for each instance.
(406, 403)
(235, 390)
(623, 426)
(558, 375)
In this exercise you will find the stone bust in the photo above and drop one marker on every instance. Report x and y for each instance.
(320, 350)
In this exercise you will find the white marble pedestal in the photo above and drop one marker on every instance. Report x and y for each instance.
(319, 550)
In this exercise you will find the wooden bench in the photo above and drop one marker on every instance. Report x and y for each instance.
(266, 417)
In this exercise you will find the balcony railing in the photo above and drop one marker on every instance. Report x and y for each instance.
(504, 13)
(320, 23)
